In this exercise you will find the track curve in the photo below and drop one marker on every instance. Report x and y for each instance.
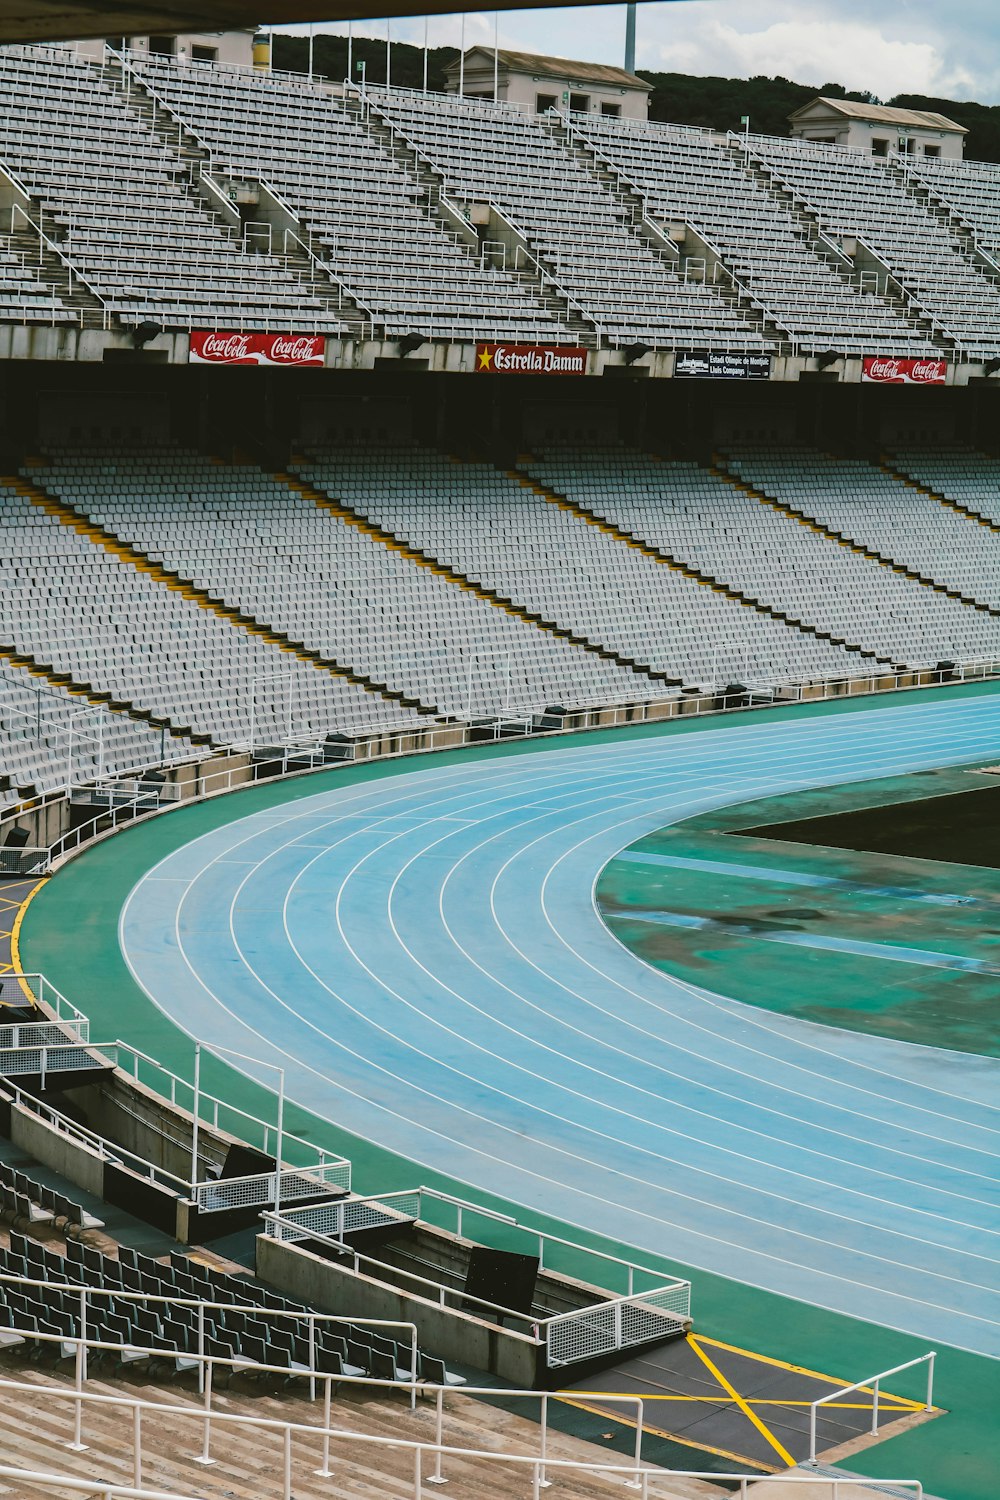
(423, 956)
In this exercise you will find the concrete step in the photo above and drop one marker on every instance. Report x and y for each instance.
(36, 1430)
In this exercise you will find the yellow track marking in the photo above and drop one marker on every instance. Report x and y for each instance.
(15, 951)
(782, 1364)
(747, 1411)
(673, 1437)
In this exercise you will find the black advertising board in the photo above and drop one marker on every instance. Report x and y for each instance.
(721, 364)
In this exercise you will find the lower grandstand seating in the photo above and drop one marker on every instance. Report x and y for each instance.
(870, 506)
(48, 735)
(245, 1325)
(495, 531)
(727, 533)
(308, 573)
(970, 479)
(91, 614)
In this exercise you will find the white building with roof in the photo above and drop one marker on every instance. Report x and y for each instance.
(541, 83)
(878, 129)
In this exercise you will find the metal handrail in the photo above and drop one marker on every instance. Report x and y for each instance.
(871, 1386)
(43, 239)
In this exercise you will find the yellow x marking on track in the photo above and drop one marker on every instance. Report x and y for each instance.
(747, 1410)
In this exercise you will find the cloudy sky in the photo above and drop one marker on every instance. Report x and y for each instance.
(945, 47)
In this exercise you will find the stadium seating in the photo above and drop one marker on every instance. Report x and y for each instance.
(866, 197)
(24, 297)
(48, 736)
(495, 153)
(970, 190)
(369, 217)
(728, 534)
(246, 1328)
(91, 615)
(124, 209)
(870, 506)
(256, 543)
(495, 531)
(687, 176)
(969, 479)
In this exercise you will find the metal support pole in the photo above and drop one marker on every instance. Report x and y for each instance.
(461, 61)
(541, 1482)
(388, 51)
(875, 1409)
(437, 1477)
(205, 1457)
(496, 54)
(78, 1445)
(286, 1493)
(425, 54)
(930, 1381)
(312, 30)
(324, 1471)
(417, 1488)
(197, 1106)
(137, 1446)
(280, 1145)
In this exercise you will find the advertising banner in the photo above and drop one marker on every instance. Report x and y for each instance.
(889, 370)
(722, 364)
(293, 350)
(530, 359)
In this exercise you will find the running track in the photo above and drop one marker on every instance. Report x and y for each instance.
(423, 956)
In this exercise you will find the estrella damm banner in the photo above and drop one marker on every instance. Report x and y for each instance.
(529, 359)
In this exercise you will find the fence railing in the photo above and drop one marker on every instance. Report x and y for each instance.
(250, 1192)
(223, 1115)
(298, 1441)
(872, 1387)
(600, 1327)
(44, 1061)
(34, 989)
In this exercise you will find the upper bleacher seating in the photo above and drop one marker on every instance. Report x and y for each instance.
(970, 189)
(367, 215)
(867, 197)
(497, 154)
(686, 176)
(122, 206)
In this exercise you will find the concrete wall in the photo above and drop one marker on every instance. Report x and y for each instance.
(454, 1336)
(71, 1160)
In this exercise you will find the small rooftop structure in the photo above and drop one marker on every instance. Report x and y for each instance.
(541, 83)
(878, 129)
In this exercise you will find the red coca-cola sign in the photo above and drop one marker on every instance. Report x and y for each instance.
(295, 350)
(885, 369)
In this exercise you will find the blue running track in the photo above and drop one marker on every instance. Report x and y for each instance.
(423, 956)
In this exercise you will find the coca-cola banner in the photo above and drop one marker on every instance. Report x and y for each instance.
(293, 350)
(888, 370)
(529, 359)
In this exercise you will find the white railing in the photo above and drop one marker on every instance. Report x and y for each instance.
(600, 1327)
(35, 989)
(223, 1193)
(222, 1115)
(298, 1439)
(621, 1323)
(63, 1057)
(872, 1387)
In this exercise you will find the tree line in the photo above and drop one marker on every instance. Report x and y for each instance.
(718, 103)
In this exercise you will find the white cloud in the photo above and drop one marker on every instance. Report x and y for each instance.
(897, 46)
(811, 52)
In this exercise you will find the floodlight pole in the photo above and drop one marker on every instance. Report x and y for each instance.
(461, 62)
(630, 38)
(388, 51)
(312, 30)
(425, 54)
(350, 50)
(496, 55)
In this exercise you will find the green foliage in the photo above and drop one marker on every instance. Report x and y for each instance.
(716, 103)
(291, 54)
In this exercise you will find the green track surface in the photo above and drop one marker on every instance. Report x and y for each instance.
(743, 886)
(70, 933)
